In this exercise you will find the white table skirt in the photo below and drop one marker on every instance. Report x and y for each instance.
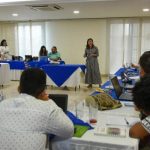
(15, 74)
(89, 141)
(73, 81)
(4, 74)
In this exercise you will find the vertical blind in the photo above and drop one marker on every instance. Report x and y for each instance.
(129, 38)
(31, 36)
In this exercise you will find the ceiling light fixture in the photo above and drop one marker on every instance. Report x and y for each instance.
(76, 11)
(15, 15)
(13, 1)
(146, 9)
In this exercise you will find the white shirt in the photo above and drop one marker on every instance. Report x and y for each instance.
(3, 51)
(25, 121)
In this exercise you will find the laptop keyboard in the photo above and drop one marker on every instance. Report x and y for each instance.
(126, 96)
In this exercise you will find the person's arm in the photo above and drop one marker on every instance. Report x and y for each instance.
(135, 66)
(59, 124)
(59, 57)
(138, 131)
(96, 54)
(85, 54)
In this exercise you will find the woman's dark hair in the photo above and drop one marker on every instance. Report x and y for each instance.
(32, 82)
(145, 62)
(141, 94)
(2, 42)
(43, 51)
(87, 46)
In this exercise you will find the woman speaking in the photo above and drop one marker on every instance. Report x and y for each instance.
(92, 73)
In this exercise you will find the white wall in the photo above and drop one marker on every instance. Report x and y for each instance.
(70, 37)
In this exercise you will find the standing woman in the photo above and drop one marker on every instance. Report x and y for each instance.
(93, 73)
(43, 51)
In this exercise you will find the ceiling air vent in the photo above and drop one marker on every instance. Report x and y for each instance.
(52, 7)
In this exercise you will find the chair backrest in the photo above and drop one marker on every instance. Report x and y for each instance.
(61, 100)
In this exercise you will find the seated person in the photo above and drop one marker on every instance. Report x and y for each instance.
(144, 62)
(54, 55)
(43, 51)
(141, 98)
(28, 118)
(3, 49)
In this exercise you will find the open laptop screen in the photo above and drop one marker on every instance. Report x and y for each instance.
(43, 58)
(116, 85)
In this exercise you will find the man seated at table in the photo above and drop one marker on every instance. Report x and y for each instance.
(26, 120)
(54, 55)
(141, 98)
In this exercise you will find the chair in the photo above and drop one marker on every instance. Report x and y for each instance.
(61, 100)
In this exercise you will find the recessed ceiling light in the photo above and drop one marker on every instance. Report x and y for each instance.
(76, 11)
(15, 15)
(145, 9)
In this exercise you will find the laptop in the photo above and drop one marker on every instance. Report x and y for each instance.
(61, 100)
(120, 91)
(126, 81)
(43, 58)
(28, 58)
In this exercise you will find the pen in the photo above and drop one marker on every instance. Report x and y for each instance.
(126, 121)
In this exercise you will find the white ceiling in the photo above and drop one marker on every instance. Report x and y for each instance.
(87, 8)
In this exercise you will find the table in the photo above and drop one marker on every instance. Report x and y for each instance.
(64, 75)
(17, 67)
(4, 74)
(107, 84)
(89, 141)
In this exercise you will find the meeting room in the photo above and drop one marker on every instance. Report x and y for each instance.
(74, 74)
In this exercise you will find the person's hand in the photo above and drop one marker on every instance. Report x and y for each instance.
(93, 55)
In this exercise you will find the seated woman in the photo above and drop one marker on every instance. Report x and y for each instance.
(54, 55)
(43, 51)
(3, 49)
(141, 98)
(28, 118)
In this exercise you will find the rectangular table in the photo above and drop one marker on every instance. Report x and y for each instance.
(64, 75)
(70, 75)
(89, 141)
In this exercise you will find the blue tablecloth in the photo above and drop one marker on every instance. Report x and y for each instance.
(21, 65)
(118, 73)
(60, 73)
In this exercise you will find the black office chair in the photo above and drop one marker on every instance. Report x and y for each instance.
(61, 100)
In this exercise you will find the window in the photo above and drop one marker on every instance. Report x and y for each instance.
(31, 36)
(124, 43)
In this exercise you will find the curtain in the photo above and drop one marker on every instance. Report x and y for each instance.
(31, 36)
(124, 42)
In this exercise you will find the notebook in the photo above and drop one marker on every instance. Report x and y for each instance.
(120, 91)
(79, 130)
(110, 131)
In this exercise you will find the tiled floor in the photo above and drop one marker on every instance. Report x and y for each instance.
(74, 96)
